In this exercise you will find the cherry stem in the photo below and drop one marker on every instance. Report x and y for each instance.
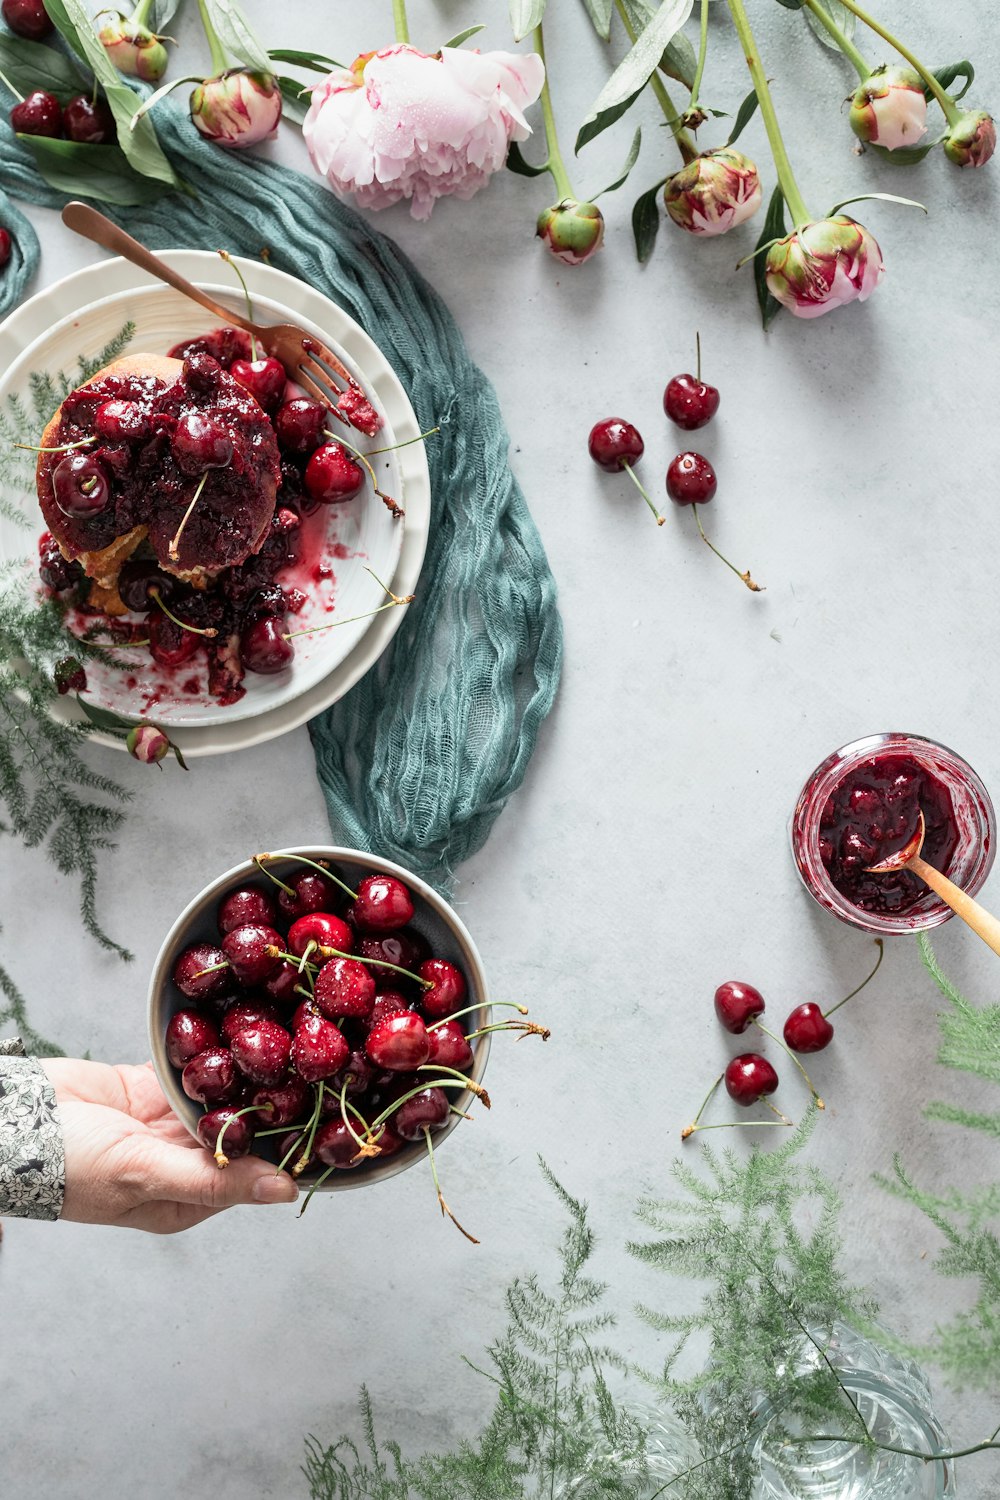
(365, 1147)
(391, 447)
(212, 969)
(463, 1078)
(326, 954)
(755, 588)
(788, 1053)
(246, 295)
(526, 1028)
(453, 1109)
(396, 509)
(318, 1183)
(690, 1129)
(434, 1083)
(304, 860)
(881, 950)
(697, 345)
(8, 85)
(292, 635)
(220, 1156)
(209, 631)
(62, 447)
(306, 1156)
(445, 1210)
(641, 488)
(312, 943)
(494, 1005)
(173, 549)
(782, 1119)
(292, 1148)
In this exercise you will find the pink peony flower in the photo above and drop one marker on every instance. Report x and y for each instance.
(713, 193)
(890, 108)
(402, 124)
(238, 108)
(824, 265)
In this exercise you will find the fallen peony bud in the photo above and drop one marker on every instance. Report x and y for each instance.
(237, 108)
(401, 124)
(134, 49)
(972, 141)
(890, 108)
(147, 743)
(824, 265)
(572, 231)
(713, 193)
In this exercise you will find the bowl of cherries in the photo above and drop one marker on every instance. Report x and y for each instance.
(325, 1009)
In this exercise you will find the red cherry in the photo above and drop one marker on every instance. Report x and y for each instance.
(749, 1077)
(388, 1003)
(262, 1052)
(88, 121)
(382, 904)
(736, 1005)
(427, 1110)
(299, 424)
(301, 1014)
(6, 247)
(332, 475)
(122, 422)
(318, 1049)
(311, 891)
(245, 1013)
(357, 1074)
(265, 379)
(281, 984)
(336, 1147)
(202, 973)
(448, 988)
(405, 948)
(189, 1033)
(264, 647)
(691, 479)
(614, 443)
(39, 113)
(169, 644)
(211, 1077)
(27, 18)
(399, 1043)
(807, 1029)
(449, 1046)
(281, 1103)
(236, 1130)
(319, 927)
(689, 402)
(344, 987)
(247, 947)
(80, 486)
(248, 903)
(199, 443)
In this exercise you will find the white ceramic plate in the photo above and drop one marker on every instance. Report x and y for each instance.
(78, 315)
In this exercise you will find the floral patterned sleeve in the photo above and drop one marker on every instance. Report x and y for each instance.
(32, 1160)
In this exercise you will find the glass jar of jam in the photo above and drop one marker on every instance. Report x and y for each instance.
(861, 805)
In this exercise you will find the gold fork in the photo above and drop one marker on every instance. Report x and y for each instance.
(308, 361)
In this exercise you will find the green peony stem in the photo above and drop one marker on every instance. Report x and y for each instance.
(789, 187)
(554, 164)
(952, 112)
(843, 41)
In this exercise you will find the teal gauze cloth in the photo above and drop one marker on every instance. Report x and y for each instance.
(418, 760)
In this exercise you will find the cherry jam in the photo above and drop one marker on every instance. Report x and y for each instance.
(870, 815)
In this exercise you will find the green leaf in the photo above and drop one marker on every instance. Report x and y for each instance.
(525, 15)
(792, 4)
(646, 220)
(905, 156)
(30, 65)
(101, 172)
(516, 163)
(463, 36)
(594, 127)
(774, 228)
(630, 161)
(315, 60)
(867, 197)
(679, 60)
(946, 77)
(600, 12)
(844, 18)
(163, 13)
(744, 115)
(104, 719)
(140, 145)
(636, 68)
(295, 98)
(237, 35)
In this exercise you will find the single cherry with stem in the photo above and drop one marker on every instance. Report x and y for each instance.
(737, 1005)
(688, 401)
(247, 903)
(230, 1125)
(695, 1126)
(691, 481)
(614, 445)
(37, 113)
(749, 1078)
(808, 1027)
(88, 121)
(80, 486)
(188, 1033)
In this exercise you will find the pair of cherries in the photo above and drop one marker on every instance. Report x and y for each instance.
(616, 445)
(750, 1078)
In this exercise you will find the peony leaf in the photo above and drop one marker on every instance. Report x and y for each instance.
(678, 60)
(463, 36)
(525, 15)
(31, 65)
(237, 35)
(516, 163)
(599, 12)
(295, 98)
(946, 77)
(101, 172)
(630, 161)
(104, 718)
(591, 128)
(163, 13)
(315, 60)
(867, 197)
(639, 63)
(774, 229)
(844, 18)
(792, 4)
(646, 220)
(905, 156)
(744, 115)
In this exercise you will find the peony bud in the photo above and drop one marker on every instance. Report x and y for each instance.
(134, 50)
(972, 141)
(713, 193)
(238, 108)
(890, 108)
(147, 743)
(824, 265)
(572, 231)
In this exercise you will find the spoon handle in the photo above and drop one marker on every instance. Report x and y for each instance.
(86, 221)
(983, 923)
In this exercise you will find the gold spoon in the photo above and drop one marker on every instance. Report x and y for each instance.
(983, 923)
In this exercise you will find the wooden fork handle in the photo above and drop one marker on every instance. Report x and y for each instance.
(86, 221)
(983, 923)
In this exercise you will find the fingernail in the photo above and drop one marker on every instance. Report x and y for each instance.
(273, 1188)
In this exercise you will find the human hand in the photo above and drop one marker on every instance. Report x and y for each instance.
(130, 1161)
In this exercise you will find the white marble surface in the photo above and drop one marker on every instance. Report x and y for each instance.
(645, 859)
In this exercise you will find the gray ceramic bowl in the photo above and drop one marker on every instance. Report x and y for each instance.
(433, 918)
